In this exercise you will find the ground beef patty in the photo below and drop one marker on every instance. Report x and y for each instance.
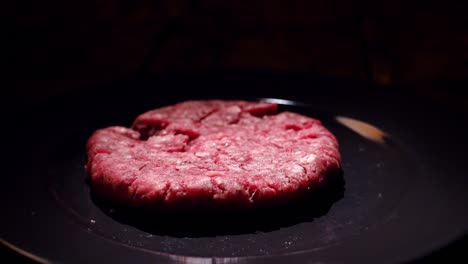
(211, 153)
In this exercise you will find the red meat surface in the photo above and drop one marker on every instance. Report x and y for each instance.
(211, 153)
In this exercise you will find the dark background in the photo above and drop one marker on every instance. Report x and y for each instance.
(65, 47)
(58, 46)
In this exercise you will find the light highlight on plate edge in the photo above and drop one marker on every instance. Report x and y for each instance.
(364, 129)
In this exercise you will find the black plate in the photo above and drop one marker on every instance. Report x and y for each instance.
(403, 197)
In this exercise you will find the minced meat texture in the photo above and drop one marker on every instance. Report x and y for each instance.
(211, 153)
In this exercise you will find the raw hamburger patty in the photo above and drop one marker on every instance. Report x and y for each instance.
(211, 153)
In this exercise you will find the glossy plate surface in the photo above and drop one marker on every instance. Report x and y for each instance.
(403, 196)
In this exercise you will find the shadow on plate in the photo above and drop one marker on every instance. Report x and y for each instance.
(209, 223)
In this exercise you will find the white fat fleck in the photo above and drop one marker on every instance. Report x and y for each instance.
(218, 180)
(233, 109)
(235, 168)
(308, 159)
(202, 154)
(297, 169)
